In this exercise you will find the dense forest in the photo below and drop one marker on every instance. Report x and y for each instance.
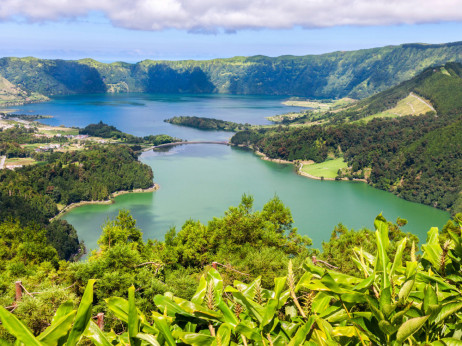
(31, 195)
(207, 123)
(416, 157)
(356, 74)
(246, 278)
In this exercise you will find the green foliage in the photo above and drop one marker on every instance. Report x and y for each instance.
(27, 245)
(75, 176)
(207, 123)
(246, 243)
(396, 302)
(339, 251)
(67, 326)
(107, 131)
(63, 237)
(12, 138)
(252, 241)
(417, 158)
(102, 130)
(122, 230)
(440, 85)
(31, 194)
(356, 74)
(397, 299)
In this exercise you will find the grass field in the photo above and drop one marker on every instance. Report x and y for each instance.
(326, 169)
(411, 105)
(57, 130)
(20, 161)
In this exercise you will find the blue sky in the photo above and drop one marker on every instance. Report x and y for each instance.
(97, 35)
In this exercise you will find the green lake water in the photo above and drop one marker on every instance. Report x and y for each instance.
(201, 181)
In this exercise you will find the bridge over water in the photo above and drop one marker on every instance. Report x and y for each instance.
(180, 143)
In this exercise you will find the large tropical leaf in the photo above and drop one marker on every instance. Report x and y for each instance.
(96, 335)
(83, 315)
(119, 307)
(162, 325)
(198, 297)
(17, 328)
(302, 332)
(133, 320)
(58, 329)
(410, 327)
(432, 250)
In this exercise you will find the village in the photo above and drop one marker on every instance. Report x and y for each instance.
(55, 138)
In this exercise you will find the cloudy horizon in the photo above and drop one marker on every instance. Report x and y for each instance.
(113, 30)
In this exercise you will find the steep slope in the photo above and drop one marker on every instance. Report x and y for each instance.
(418, 158)
(441, 86)
(355, 74)
(13, 95)
(429, 170)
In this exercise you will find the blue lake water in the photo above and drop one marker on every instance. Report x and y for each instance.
(202, 181)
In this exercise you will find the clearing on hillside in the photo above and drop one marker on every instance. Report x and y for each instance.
(411, 105)
(327, 169)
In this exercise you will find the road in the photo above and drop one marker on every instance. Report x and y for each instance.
(2, 161)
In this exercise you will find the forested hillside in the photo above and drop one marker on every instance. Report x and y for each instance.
(207, 123)
(440, 85)
(356, 74)
(11, 95)
(416, 157)
(31, 195)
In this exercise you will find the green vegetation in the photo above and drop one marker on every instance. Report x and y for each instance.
(107, 131)
(207, 123)
(32, 194)
(442, 91)
(411, 105)
(11, 95)
(393, 297)
(417, 158)
(20, 142)
(248, 277)
(245, 241)
(355, 74)
(327, 169)
(27, 117)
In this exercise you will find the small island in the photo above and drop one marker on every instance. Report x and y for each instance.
(208, 123)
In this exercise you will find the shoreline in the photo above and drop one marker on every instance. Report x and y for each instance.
(20, 103)
(111, 200)
(299, 168)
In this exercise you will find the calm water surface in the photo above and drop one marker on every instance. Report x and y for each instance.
(202, 181)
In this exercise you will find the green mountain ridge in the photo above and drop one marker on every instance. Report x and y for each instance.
(440, 85)
(355, 74)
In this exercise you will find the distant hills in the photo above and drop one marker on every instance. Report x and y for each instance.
(355, 74)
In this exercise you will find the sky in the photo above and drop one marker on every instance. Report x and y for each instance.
(134, 30)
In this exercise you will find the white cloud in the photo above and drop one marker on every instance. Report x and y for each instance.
(231, 15)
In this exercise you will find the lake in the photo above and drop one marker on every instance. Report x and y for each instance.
(201, 181)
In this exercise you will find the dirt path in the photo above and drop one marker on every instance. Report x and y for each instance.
(412, 107)
(423, 101)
